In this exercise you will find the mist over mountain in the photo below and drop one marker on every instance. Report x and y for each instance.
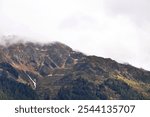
(108, 28)
(31, 70)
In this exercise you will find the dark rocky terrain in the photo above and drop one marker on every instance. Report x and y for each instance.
(55, 71)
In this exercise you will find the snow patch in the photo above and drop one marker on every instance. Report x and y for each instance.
(33, 81)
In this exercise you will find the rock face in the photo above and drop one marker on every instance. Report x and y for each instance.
(55, 71)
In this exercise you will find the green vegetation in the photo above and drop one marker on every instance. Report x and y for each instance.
(10, 89)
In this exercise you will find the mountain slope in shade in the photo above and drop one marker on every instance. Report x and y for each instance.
(55, 71)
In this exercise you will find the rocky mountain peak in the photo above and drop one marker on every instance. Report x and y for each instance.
(55, 71)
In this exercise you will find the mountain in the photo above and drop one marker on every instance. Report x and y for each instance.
(55, 71)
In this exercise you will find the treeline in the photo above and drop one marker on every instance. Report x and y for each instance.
(10, 89)
(82, 89)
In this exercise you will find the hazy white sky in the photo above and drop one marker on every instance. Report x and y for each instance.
(118, 29)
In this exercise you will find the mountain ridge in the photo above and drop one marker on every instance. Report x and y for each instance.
(56, 71)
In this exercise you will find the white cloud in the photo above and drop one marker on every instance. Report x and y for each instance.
(109, 28)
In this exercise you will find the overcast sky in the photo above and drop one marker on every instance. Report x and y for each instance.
(117, 29)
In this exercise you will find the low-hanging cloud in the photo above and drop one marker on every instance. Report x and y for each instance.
(138, 13)
(110, 28)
